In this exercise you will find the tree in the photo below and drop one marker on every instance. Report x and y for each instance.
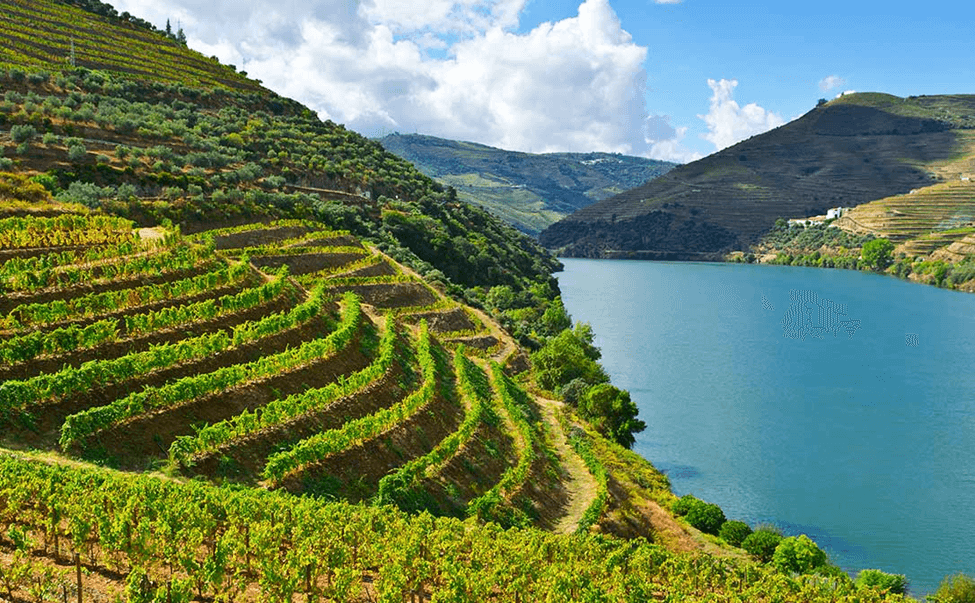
(956, 589)
(169, 29)
(876, 579)
(707, 517)
(613, 413)
(877, 254)
(734, 532)
(798, 555)
(567, 356)
(762, 543)
(181, 37)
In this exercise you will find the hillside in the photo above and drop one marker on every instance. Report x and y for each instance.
(529, 191)
(853, 150)
(246, 354)
(293, 357)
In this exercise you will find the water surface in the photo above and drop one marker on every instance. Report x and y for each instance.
(833, 403)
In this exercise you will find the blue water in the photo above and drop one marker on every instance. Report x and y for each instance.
(864, 440)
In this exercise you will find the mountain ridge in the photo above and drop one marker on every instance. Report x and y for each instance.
(850, 151)
(528, 190)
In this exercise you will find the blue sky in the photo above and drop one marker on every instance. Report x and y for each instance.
(670, 80)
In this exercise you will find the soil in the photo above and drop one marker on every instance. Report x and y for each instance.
(338, 241)
(305, 263)
(444, 321)
(244, 459)
(354, 474)
(475, 469)
(51, 414)
(11, 301)
(380, 268)
(255, 238)
(391, 295)
(115, 349)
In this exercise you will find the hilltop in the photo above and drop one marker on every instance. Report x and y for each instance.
(246, 354)
(844, 153)
(528, 190)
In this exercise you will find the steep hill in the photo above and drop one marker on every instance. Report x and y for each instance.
(529, 191)
(850, 151)
(236, 364)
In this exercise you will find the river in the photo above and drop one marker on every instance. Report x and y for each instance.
(833, 403)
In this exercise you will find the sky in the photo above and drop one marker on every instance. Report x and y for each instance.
(666, 79)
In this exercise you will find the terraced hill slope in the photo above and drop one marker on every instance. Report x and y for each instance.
(293, 357)
(39, 35)
(529, 191)
(850, 151)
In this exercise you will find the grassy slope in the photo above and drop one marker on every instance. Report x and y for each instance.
(530, 191)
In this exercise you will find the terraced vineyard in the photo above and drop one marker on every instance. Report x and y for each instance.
(303, 361)
(38, 34)
(927, 221)
(283, 354)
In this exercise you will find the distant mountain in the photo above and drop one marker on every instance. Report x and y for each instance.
(847, 152)
(530, 191)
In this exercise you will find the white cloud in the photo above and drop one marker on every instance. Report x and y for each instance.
(729, 123)
(666, 141)
(831, 81)
(455, 69)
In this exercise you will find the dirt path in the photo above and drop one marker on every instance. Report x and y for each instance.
(152, 234)
(581, 485)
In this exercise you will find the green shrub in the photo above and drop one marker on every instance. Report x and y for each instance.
(77, 153)
(955, 589)
(21, 134)
(734, 532)
(572, 392)
(876, 579)
(877, 254)
(613, 413)
(762, 543)
(798, 555)
(707, 517)
(684, 504)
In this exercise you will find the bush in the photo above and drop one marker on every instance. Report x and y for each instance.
(21, 134)
(77, 153)
(798, 555)
(955, 589)
(877, 254)
(707, 517)
(876, 579)
(572, 392)
(567, 356)
(734, 532)
(762, 543)
(684, 504)
(612, 413)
